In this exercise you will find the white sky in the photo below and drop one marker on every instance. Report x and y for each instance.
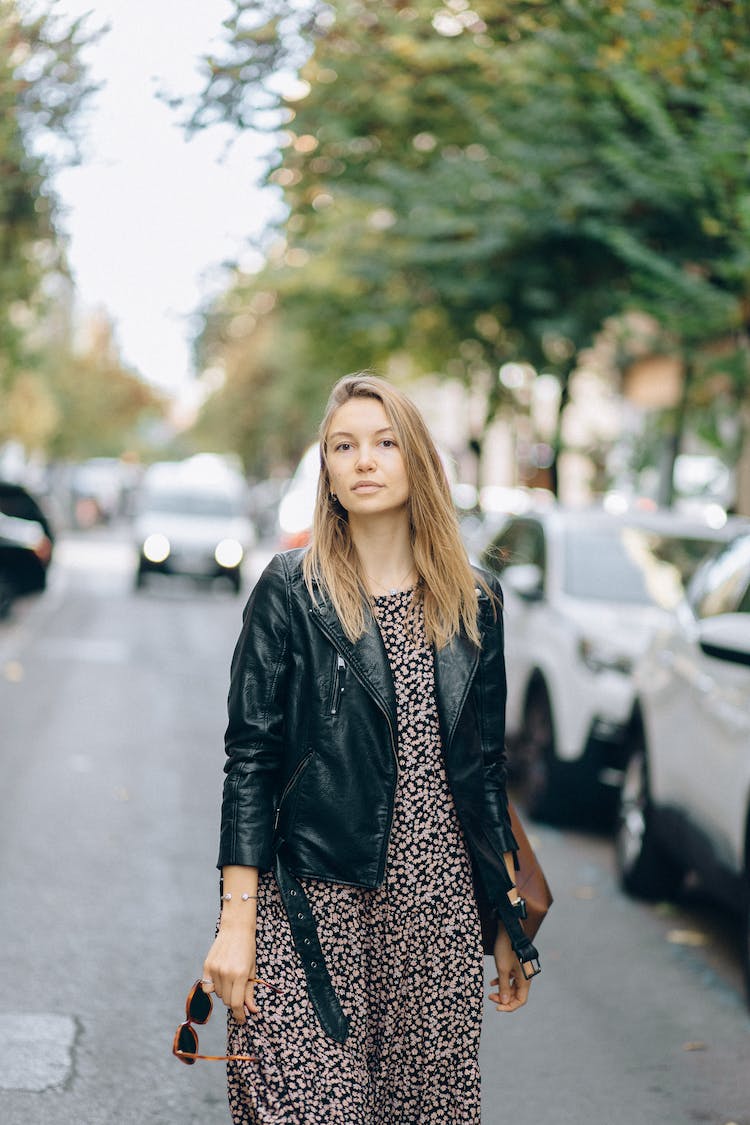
(150, 215)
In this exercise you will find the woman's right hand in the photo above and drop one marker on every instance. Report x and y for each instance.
(230, 965)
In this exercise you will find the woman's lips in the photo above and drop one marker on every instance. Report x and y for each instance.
(366, 486)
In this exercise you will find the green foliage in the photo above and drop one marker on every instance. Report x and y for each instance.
(468, 185)
(100, 405)
(42, 87)
(260, 412)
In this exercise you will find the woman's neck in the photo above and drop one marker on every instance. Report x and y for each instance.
(385, 553)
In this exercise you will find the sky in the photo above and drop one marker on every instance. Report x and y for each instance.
(150, 216)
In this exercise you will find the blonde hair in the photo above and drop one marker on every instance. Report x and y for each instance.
(448, 585)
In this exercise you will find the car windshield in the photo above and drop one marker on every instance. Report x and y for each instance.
(630, 564)
(182, 503)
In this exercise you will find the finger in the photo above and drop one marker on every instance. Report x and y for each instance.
(219, 984)
(523, 987)
(519, 993)
(237, 1001)
(250, 1004)
(504, 986)
(207, 982)
(511, 1005)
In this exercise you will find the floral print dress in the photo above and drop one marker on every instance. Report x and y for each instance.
(405, 959)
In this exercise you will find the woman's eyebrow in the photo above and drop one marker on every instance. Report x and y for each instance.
(346, 434)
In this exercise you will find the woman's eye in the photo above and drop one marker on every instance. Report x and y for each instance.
(389, 443)
(342, 447)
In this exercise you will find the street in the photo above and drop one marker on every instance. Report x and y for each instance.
(113, 706)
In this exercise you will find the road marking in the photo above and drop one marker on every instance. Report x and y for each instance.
(36, 1050)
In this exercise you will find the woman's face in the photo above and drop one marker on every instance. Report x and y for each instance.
(365, 465)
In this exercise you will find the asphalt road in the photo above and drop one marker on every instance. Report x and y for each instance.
(111, 723)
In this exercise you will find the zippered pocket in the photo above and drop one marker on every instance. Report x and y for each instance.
(338, 684)
(291, 783)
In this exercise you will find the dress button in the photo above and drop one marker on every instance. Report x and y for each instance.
(307, 941)
(313, 964)
(300, 915)
(292, 894)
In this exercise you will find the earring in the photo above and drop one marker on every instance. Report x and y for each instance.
(334, 498)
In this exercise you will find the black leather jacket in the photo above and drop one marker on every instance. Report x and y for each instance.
(312, 755)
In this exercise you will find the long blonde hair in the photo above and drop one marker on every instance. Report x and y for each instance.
(448, 586)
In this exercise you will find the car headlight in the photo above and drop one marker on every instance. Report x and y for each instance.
(229, 553)
(156, 548)
(600, 657)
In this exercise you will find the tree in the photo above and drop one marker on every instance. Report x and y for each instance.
(42, 87)
(100, 405)
(480, 184)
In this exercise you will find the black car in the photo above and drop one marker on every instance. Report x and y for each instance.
(26, 542)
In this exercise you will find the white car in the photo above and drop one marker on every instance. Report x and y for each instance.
(191, 519)
(584, 590)
(685, 802)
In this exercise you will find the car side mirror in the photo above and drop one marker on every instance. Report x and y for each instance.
(526, 581)
(726, 637)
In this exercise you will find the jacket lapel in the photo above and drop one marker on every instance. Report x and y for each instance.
(366, 657)
(455, 667)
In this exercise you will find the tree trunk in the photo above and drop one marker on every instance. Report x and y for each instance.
(557, 441)
(742, 505)
(673, 441)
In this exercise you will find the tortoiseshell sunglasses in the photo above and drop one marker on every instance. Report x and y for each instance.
(198, 1008)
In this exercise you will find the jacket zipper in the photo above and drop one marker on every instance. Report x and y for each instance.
(297, 770)
(339, 683)
(394, 751)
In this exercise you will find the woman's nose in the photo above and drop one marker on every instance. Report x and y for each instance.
(365, 458)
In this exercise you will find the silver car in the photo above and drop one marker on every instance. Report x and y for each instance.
(685, 802)
(584, 591)
(191, 519)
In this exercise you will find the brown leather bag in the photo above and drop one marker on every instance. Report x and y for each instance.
(531, 884)
(530, 879)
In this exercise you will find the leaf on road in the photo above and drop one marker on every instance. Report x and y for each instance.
(695, 1045)
(13, 672)
(687, 937)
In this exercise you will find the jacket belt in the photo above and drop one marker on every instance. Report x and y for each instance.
(305, 936)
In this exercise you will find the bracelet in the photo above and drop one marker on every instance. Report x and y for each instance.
(244, 896)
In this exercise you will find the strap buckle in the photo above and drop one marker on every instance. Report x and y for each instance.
(535, 967)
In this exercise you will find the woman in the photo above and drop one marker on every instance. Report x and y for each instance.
(365, 814)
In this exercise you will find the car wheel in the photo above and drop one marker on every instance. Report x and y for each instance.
(543, 787)
(7, 593)
(644, 868)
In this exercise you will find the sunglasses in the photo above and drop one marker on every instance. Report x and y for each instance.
(198, 1008)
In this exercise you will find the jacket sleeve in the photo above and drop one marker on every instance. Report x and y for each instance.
(254, 735)
(497, 835)
(493, 693)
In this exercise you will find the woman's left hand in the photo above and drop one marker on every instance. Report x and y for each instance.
(512, 989)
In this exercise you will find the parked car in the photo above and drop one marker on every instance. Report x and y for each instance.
(26, 544)
(192, 520)
(101, 489)
(685, 801)
(298, 501)
(583, 591)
